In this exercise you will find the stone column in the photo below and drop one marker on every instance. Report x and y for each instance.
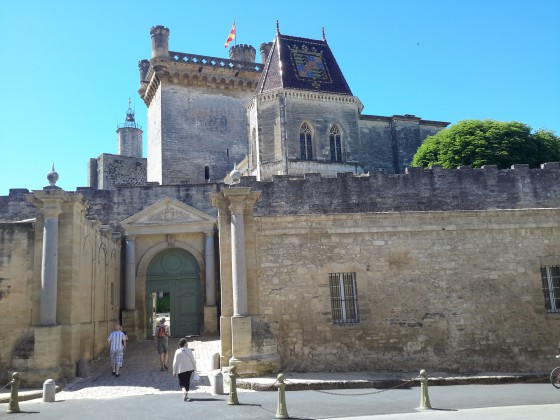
(238, 264)
(130, 284)
(49, 266)
(210, 265)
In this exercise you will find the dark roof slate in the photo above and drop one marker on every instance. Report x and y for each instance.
(303, 64)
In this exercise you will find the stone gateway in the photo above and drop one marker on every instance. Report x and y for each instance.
(270, 210)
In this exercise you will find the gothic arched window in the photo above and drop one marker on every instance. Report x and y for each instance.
(305, 142)
(335, 144)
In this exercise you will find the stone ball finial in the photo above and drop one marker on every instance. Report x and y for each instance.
(52, 176)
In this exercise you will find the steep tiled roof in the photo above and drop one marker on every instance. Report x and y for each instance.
(304, 64)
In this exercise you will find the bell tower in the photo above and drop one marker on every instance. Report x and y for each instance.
(129, 136)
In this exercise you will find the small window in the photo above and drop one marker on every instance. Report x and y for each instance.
(206, 173)
(335, 144)
(550, 276)
(344, 298)
(112, 300)
(305, 142)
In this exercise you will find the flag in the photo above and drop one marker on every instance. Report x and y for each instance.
(231, 35)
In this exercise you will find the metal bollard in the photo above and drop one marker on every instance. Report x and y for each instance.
(49, 391)
(424, 397)
(232, 399)
(13, 405)
(281, 409)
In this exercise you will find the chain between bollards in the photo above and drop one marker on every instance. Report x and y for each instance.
(13, 405)
(232, 399)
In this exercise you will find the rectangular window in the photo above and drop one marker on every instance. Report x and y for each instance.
(344, 298)
(112, 293)
(550, 276)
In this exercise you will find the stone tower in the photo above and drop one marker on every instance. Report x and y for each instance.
(197, 125)
(303, 117)
(129, 136)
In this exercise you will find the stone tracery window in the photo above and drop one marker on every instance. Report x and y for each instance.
(305, 142)
(335, 144)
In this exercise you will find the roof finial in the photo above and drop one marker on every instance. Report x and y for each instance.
(277, 27)
(52, 177)
(323, 29)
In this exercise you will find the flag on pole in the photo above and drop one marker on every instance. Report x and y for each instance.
(231, 35)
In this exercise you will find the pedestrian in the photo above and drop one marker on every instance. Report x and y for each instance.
(116, 342)
(183, 366)
(161, 334)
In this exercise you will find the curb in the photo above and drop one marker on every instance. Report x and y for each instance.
(26, 395)
(299, 385)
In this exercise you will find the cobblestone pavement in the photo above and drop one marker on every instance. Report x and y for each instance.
(141, 374)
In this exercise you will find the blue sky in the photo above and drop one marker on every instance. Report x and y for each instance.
(69, 67)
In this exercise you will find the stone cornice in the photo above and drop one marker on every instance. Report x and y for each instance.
(306, 95)
(199, 71)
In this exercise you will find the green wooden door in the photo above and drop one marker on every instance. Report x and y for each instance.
(176, 271)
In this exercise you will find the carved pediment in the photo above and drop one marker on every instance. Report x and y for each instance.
(168, 211)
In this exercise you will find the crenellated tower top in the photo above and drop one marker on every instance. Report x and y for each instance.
(238, 73)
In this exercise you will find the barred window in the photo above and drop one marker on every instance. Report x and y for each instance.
(550, 276)
(344, 298)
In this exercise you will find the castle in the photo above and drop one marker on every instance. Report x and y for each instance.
(270, 210)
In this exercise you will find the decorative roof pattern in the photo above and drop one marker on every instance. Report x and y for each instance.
(304, 64)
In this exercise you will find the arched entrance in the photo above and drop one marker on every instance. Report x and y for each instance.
(175, 272)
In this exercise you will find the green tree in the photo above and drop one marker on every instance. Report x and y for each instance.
(487, 142)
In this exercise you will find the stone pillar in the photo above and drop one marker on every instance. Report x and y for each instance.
(210, 265)
(210, 309)
(49, 266)
(130, 284)
(238, 264)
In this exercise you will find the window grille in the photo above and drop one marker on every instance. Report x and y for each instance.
(550, 276)
(335, 144)
(344, 298)
(305, 143)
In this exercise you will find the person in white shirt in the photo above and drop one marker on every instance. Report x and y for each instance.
(117, 341)
(183, 366)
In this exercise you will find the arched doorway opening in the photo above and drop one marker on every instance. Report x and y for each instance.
(175, 274)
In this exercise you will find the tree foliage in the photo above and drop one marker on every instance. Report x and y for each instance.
(487, 142)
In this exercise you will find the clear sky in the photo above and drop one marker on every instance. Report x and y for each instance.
(68, 67)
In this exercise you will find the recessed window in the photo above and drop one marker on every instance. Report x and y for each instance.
(335, 144)
(206, 173)
(305, 142)
(550, 276)
(344, 298)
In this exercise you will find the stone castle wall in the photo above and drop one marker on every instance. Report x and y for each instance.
(88, 289)
(109, 171)
(435, 189)
(112, 207)
(443, 291)
(16, 274)
(15, 207)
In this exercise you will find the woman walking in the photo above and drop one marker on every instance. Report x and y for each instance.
(183, 366)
